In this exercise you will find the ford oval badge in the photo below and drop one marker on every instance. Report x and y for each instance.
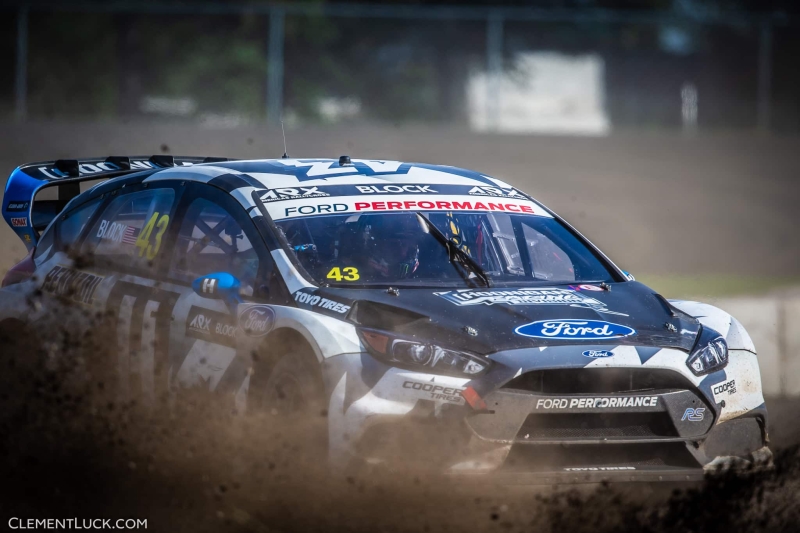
(257, 321)
(594, 354)
(570, 329)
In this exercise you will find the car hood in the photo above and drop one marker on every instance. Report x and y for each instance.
(485, 320)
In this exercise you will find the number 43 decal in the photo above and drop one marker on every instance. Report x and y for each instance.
(143, 241)
(346, 274)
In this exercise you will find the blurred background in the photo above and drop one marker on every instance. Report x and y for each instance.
(581, 67)
(665, 130)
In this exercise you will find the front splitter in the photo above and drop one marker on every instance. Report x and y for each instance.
(583, 475)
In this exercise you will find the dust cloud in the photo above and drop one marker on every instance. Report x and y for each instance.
(70, 448)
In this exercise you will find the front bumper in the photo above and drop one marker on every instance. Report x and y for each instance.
(526, 418)
(382, 415)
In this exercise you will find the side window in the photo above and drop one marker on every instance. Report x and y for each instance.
(45, 244)
(72, 226)
(65, 230)
(131, 230)
(548, 260)
(211, 239)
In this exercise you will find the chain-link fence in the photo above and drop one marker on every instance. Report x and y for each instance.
(489, 69)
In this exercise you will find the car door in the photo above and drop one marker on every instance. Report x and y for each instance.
(126, 245)
(216, 235)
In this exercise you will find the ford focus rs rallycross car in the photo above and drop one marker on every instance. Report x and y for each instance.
(407, 299)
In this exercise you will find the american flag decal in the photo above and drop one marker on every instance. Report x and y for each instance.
(129, 235)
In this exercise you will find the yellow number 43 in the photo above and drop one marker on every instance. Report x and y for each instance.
(343, 274)
(143, 240)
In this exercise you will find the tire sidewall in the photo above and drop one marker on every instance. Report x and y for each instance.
(294, 366)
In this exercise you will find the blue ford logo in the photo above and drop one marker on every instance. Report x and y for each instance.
(597, 353)
(574, 329)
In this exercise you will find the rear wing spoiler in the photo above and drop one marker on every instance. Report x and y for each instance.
(37, 192)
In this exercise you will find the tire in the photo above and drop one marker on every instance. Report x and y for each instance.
(293, 388)
(291, 399)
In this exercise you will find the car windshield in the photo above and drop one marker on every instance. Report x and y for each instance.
(400, 249)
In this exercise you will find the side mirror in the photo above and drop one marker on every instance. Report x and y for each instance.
(629, 275)
(219, 286)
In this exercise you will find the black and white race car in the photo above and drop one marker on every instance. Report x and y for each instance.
(404, 297)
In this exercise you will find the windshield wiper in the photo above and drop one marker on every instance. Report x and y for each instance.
(456, 254)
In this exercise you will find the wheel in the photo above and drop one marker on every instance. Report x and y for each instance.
(291, 401)
(293, 388)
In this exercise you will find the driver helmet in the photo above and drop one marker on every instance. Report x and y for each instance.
(394, 244)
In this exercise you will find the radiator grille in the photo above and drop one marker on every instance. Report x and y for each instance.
(598, 380)
(553, 426)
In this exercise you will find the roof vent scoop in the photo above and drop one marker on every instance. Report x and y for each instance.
(344, 161)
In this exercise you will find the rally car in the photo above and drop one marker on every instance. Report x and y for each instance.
(407, 299)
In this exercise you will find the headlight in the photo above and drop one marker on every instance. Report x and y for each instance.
(710, 353)
(408, 353)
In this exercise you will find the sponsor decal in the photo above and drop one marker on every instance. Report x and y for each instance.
(405, 202)
(307, 170)
(225, 329)
(102, 166)
(316, 169)
(437, 392)
(311, 169)
(73, 284)
(209, 285)
(314, 300)
(605, 402)
(395, 189)
(117, 232)
(443, 205)
(568, 329)
(532, 296)
(496, 191)
(585, 287)
(130, 236)
(27, 238)
(211, 326)
(316, 209)
(200, 324)
(19, 222)
(599, 468)
(17, 206)
(594, 354)
(273, 195)
(694, 415)
(257, 320)
(723, 389)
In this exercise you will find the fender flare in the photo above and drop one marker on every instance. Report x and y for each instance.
(326, 336)
(715, 318)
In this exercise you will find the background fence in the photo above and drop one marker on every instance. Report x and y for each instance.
(490, 69)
